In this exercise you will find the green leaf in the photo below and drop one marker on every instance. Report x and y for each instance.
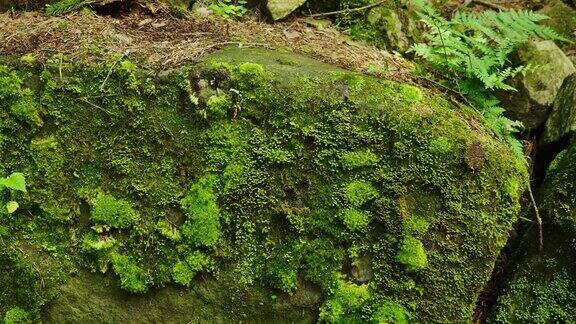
(15, 181)
(11, 206)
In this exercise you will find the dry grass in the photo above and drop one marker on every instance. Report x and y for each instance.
(164, 42)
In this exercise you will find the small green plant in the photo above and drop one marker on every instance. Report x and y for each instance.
(472, 52)
(15, 181)
(356, 220)
(229, 8)
(64, 6)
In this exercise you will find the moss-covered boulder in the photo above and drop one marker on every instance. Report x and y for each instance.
(256, 186)
(543, 287)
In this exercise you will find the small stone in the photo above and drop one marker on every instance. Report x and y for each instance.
(280, 9)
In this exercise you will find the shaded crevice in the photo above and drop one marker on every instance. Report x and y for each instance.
(541, 157)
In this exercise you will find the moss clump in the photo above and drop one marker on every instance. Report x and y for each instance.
(114, 212)
(356, 220)
(357, 159)
(391, 312)
(359, 192)
(345, 303)
(132, 277)
(168, 230)
(184, 271)
(412, 254)
(17, 315)
(202, 226)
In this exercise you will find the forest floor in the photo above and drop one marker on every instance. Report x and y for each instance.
(163, 42)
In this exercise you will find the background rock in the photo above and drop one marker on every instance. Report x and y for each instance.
(280, 9)
(537, 90)
(562, 120)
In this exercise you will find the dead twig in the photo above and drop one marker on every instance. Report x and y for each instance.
(538, 220)
(349, 10)
(124, 55)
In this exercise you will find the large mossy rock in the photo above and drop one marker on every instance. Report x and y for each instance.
(537, 90)
(257, 186)
(543, 286)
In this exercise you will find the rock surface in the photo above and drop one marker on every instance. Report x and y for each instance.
(280, 9)
(537, 90)
(262, 183)
(562, 120)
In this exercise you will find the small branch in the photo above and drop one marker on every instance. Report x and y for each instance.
(538, 220)
(95, 106)
(333, 13)
(124, 55)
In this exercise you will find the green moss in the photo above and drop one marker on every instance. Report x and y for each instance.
(202, 226)
(357, 159)
(182, 274)
(412, 254)
(261, 190)
(356, 220)
(132, 277)
(93, 242)
(441, 145)
(219, 106)
(391, 313)
(360, 192)
(168, 230)
(117, 213)
(345, 301)
(17, 315)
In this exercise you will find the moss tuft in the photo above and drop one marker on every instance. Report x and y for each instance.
(202, 226)
(412, 254)
(132, 277)
(357, 159)
(356, 220)
(17, 315)
(391, 313)
(345, 303)
(359, 192)
(114, 212)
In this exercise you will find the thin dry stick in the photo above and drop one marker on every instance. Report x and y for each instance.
(538, 220)
(333, 13)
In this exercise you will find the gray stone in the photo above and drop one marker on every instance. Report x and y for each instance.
(280, 9)
(562, 120)
(538, 88)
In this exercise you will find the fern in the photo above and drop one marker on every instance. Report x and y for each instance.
(64, 6)
(472, 51)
